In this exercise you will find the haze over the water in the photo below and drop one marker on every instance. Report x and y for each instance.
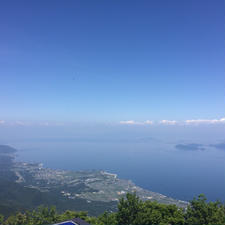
(132, 87)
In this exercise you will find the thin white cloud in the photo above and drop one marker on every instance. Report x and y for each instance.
(20, 123)
(48, 124)
(45, 124)
(168, 122)
(132, 122)
(31, 123)
(205, 121)
(150, 122)
(2, 121)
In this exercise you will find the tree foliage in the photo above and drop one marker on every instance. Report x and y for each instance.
(131, 211)
(201, 212)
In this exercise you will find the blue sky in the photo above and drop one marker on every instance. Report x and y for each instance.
(117, 81)
(112, 61)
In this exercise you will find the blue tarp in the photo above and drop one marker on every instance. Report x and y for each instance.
(66, 223)
(75, 221)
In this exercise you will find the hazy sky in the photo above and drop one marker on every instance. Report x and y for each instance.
(112, 61)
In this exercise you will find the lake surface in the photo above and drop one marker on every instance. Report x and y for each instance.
(147, 155)
(151, 164)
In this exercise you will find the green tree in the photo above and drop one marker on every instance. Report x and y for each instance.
(53, 214)
(11, 220)
(68, 215)
(1, 219)
(199, 212)
(107, 219)
(156, 213)
(131, 211)
(128, 209)
(20, 219)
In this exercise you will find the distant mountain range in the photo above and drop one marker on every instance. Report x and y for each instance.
(28, 185)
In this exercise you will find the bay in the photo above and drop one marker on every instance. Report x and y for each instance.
(153, 165)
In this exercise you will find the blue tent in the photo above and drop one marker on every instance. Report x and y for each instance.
(75, 221)
(66, 223)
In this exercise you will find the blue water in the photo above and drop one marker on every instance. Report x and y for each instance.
(154, 165)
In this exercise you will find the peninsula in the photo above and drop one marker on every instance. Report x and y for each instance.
(31, 184)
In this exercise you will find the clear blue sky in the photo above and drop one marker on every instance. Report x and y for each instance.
(112, 60)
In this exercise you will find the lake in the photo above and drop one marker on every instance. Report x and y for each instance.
(154, 165)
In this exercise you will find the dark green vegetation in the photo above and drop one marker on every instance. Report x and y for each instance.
(15, 196)
(131, 211)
